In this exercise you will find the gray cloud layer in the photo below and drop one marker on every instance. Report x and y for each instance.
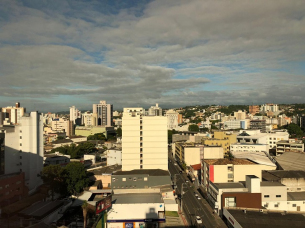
(63, 53)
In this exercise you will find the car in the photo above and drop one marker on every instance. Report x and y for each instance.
(196, 194)
(198, 198)
(186, 181)
(175, 163)
(198, 220)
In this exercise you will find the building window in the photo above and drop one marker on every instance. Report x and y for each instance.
(20, 137)
(134, 179)
(266, 196)
(294, 205)
(278, 196)
(124, 179)
(20, 144)
(145, 178)
(276, 205)
(141, 166)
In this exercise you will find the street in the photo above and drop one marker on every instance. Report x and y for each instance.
(191, 202)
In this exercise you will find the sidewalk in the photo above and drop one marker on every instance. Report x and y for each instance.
(171, 221)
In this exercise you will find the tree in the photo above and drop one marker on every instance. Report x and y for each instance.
(119, 132)
(193, 128)
(294, 130)
(85, 207)
(76, 177)
(86, 148)
(97, 136)
(170, 135)
(53, 175)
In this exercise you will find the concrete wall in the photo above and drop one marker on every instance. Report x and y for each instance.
(269, 193)
(192, 155)
(212, 152)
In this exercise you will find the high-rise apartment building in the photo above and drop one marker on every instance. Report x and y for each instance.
(103, 114)
(144, 140)
(23, 149)
(75, 115)
(270, 107)
(13, 113)
(88, 119)
(240, 115)
(253, 109)
(63, 125)
(172, 119)
(155, 110)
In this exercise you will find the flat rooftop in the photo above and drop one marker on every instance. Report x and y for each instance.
(150, 172)
(137, 198)
(225, 161)
(271, 183)
(275, 175)
(228, 185)
(296, 196)
(291, 161)
(106, 170)
(41, 209)
(256, 219)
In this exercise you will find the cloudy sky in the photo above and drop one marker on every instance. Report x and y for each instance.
(59, 53)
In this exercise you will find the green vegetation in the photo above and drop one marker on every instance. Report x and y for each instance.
(294, 130)
(193, 127)
(171, 213)
(233, 108)
(97, 136)
(170, 135)
(119, 132)
(76, 151)
(63, 180)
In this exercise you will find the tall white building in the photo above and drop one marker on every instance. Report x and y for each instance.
(270, 107)
(172, 119)
(13, 113)
(240, 115)
(88, 119)
(62, 125)
(103, 113)
(24, 149)
(155, 110)
(75, 115)
(144, 140)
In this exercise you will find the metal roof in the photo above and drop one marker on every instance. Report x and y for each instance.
(137, 198)
(291, 161)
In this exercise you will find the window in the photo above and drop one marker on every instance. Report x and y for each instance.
(113, 179)
(276, 205)
(266, 196)
(134, 179)
(278, 196)
(145, 178)
(124, 179)
(20, 137)
(20, 144)
(141, 166)
(294, 205)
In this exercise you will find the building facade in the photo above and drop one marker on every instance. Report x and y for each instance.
(13, 113)
(144, 140)
(103, 113)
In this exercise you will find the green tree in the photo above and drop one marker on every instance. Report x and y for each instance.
(119, 132)
(170, 135)
(76, 177)
(86, 148)
(53, 175)
(295, 130)
(97, 136)
(193, 127)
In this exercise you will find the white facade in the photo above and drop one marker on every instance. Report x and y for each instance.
(103, 113)
(249, 147)
(232, 124)
(240, 115)
(114, 157)
(74, 114)
(144, 140)
(88, 119)
(155, 110)
(24, 149)
(60, 124)
(15, 113)
(269, 107)
(172, 119)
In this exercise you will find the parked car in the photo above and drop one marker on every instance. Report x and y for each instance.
(198, 220)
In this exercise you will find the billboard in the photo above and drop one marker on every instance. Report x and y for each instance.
(103, 204)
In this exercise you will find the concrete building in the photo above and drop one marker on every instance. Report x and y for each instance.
(114, 157)
(144, 140)
(240, 115)
(234, 124)
(221, 138)
(91, 130)
(291, 161)
(226, 170)
(136, 210)
(253, 109)
(172, 119)
(249, 147)
(258, 124)
(63, 125)
(269, 107)
(24, 149)
(13, 113)
(56, 159)
(290, 145)
(88, 119)
(155, 110)
(75, 115)
(189, 136)
(103, 114)
(189, 153)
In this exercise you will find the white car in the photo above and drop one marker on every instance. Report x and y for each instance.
(198, 219)
(198, 198)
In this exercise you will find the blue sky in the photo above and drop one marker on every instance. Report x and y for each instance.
(60, 53)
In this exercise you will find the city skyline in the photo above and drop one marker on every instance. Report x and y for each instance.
(56, 54)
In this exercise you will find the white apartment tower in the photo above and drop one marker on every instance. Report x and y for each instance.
(103, 113)
(155, 110)
(144, 140)
(172, 119)
(14, 113)
(75, 114)
(24, 149)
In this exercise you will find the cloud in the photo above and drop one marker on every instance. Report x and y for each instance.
(170, 52)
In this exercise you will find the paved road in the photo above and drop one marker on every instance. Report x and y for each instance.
(191, 205)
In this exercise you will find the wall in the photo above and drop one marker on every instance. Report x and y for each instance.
(114, 157)
(240, 171)
(244, 199)
(212, 152)
(191, 155)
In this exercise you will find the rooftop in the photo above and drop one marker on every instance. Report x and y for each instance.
(291, 161)
(256, 219)
(149, 172)
(257, 157)
(276, 175)
(270, 183)
(137, 198)
(225, 161)
(106, 170)
(296, 196)
(228, 185)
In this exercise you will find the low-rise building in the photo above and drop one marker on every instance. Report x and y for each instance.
(114, 156)
(290, 145)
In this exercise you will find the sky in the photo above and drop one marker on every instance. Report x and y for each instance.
(58, 53)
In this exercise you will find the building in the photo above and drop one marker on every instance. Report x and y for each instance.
(91, 130)
(221, 138)
(144, 140)
(155, 110)
(188, 152)
(188, 136)
(240, 115)
(103, 114)
(235, 124)
(249, 147)
(88, 119)
(290, 145)
(75, 115)
(258, 124)
(12, 113)
(56, 159)
(253, 109)
(291, 161)
(136, 210)
(269, 108)
(114, 157)
(24, 149)
(172, 119)
(226, 170)
(63, 125)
